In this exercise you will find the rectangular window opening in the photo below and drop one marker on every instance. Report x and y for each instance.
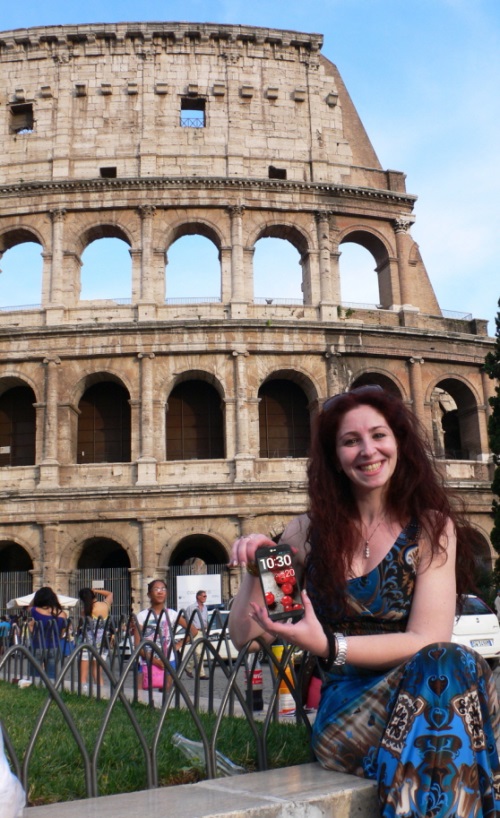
(21, 118)
(192, 112)
(107, 173)
(277, 173)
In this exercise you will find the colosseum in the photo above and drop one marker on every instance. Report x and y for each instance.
(139, 436)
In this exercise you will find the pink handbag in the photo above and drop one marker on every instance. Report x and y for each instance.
(158, 675)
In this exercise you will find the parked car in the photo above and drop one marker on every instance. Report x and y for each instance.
(477, 627)
(218, 633)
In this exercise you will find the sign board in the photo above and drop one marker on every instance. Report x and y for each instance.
(187, 586)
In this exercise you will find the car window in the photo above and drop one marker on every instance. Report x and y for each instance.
(473, 605)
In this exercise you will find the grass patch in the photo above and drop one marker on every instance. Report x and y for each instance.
(56, 770)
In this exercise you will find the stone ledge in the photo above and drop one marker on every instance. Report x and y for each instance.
(291, 792)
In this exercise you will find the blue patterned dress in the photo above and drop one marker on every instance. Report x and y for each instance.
(426, 730)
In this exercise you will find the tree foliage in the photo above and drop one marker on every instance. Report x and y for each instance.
(492, 367)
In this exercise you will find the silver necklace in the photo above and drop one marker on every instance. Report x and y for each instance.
(366, 551)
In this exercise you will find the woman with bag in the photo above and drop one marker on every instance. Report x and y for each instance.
(156, 624)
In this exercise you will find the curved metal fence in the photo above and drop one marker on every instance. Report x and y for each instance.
(118, 657)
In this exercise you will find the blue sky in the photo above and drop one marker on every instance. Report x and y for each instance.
(424, 77)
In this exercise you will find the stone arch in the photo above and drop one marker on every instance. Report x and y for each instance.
(16, 571)
(101, 429)
(281, 228)
(371, 239)
(197, 375)
(12, 236)
(103, 550)
(195, 419)
(384, 379)
(483, 554)
(284, 416)
(9, 560)
(97, 376)
(102, 230)
(11, 379)
(196, 226)
(18, 423)
(298, 376)
(454, 406)
(383, 253)
(72, 552)
(199, 545)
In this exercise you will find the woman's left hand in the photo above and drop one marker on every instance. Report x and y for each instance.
(306, 633)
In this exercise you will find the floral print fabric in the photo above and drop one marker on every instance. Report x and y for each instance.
(427, 730)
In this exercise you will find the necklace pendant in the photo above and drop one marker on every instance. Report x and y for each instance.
(367, 550)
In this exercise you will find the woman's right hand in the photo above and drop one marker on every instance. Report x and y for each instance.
(244, 548)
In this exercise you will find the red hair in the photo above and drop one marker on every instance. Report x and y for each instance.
(416, 491)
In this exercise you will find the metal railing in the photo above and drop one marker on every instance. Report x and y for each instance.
(54, 661)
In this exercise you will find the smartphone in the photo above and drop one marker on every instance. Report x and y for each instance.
(279, 582)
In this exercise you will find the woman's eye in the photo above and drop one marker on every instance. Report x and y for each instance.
(350, 441)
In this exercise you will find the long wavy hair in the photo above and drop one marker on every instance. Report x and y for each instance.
(416, 491)
(46, 598)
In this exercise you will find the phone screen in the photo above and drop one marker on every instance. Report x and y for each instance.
(279, 582)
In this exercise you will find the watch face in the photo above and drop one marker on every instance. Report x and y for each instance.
(279, 582)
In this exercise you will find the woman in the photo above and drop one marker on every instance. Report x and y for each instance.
(381, 566)
(95, 612)
(156, 624)
(47, 622)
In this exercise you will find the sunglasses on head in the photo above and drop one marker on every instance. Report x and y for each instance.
(358, 390)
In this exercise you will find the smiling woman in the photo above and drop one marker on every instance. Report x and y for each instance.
(400, 703)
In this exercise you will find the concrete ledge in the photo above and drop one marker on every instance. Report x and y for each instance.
(292, 792)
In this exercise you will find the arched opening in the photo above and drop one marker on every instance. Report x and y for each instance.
(16, 579)
(358, 277)
(455, 423)
(104, 424)
(17, 427)
(284, 422)
(103, 563)
(194, 422)
(21, 275)
(193, 272)
(106, 270)
(367, 378)
(203, 560)
(277, 271)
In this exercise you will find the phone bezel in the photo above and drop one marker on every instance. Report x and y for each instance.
(271, 550)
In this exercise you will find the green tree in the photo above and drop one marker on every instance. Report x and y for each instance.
(492, 367)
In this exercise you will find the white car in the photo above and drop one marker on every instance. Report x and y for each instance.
(218, 633)
(477, 627)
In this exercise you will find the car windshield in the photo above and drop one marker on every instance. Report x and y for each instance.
(473, 605)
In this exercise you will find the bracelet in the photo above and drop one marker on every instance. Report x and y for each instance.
(252, 569)
(341, 656)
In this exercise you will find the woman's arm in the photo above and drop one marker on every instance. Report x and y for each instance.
(431, 617)
(108, 595)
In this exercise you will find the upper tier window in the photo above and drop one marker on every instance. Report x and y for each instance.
(192, 112)
(21, 118)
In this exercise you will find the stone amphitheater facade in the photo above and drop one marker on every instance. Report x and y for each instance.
(94, 145)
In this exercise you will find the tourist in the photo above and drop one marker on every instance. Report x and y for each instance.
(383, 553)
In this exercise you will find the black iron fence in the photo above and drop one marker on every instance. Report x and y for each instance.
(115, 658)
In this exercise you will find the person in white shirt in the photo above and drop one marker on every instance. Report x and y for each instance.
(197, 613)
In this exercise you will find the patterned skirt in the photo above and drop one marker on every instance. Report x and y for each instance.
(426, 731)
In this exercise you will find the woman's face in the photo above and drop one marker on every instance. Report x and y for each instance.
(366, 449)
(158, 593)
